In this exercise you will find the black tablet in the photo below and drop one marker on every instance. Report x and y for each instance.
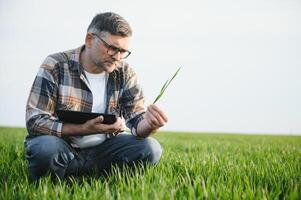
(77, 117)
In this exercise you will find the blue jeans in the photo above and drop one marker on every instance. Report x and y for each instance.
(47, 153)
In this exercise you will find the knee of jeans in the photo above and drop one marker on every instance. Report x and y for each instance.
(49, 151)
(154, 149)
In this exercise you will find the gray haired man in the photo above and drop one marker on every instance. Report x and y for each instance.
(91, 78)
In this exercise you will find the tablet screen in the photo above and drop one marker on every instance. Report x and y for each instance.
(77, 117)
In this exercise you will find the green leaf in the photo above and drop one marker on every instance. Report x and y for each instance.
(163, 88)
(166, 84)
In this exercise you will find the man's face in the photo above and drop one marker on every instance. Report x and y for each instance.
(107, 50)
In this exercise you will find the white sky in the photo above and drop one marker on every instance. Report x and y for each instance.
(241, 63)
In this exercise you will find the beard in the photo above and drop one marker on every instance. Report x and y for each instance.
(99, 64)
(107, 66)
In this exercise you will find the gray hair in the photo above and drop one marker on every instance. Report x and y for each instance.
(112, 23)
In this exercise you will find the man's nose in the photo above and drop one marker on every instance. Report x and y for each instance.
(117, 56)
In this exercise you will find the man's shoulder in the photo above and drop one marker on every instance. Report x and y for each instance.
(125, 68)
(57, 59)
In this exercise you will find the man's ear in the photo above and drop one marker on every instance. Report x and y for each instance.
(88, 40)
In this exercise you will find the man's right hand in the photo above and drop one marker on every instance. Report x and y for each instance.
(96, 126)
(91, 127)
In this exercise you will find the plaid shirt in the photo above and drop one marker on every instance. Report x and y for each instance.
(62, 84)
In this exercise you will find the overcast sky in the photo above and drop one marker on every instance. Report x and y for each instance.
(241, 60)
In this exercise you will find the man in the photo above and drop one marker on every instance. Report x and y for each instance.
(91, 78)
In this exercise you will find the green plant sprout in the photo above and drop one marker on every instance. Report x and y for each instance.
(166, 84)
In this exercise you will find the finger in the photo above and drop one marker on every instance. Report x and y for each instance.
(156, 109)
(112, 128)
(105, 128)
(118, 121)
(94, 125)
(152, 121)
(118, 124)
(159, 119)
(98, 119)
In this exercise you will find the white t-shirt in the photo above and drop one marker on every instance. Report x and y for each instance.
(97, 85)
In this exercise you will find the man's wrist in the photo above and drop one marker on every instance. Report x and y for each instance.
(73, 129)
(143, 129)
(82, 129)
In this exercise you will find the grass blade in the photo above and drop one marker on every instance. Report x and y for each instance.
(166, 84)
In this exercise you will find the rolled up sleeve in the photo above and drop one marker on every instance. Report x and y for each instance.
(133, 102)
(41, 103)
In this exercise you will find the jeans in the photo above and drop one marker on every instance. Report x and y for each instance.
(47, 153)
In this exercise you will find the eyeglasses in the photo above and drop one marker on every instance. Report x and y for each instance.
(112, 50)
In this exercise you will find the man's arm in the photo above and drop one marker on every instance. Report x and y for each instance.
(42, 100)
(140, 122)
(91, 127)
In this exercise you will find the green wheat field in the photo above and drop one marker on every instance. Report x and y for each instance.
(193, 166)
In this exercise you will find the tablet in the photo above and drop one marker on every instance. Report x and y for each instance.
(77, 117)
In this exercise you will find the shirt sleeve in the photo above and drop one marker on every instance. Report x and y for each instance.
(132, 101)
(42, 101)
